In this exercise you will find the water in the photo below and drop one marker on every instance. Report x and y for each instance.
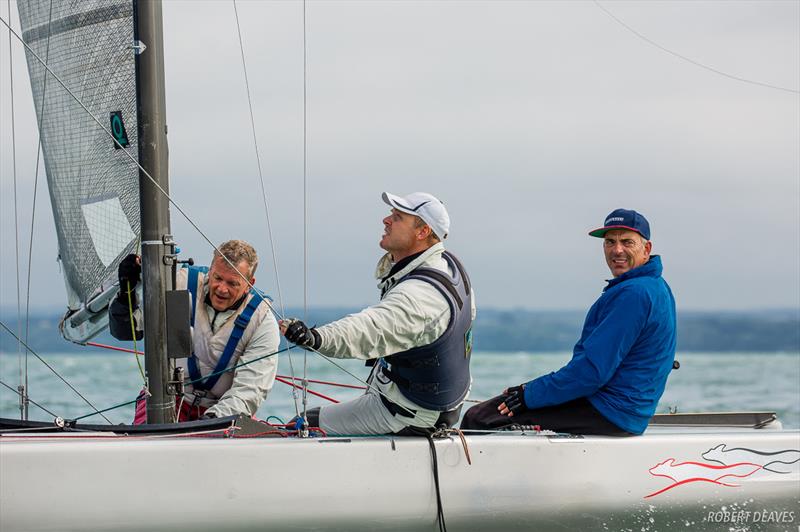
(705, 382)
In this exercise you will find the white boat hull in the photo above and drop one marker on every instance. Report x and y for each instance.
(381, 483)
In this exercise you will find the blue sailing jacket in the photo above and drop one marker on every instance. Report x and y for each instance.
(625, 353)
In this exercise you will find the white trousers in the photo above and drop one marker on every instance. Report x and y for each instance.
(367, 415)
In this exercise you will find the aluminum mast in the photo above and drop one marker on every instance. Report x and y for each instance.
(156, 235)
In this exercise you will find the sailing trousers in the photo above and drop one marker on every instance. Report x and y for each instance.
(361, 416)
(575, 417)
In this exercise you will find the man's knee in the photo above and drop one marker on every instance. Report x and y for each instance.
(470, 418)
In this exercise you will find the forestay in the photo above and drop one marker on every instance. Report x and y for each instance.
(93, 183)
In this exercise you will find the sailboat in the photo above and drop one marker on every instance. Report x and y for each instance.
(104, 142)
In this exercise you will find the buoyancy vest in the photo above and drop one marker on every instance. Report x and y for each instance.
(436, 376)
(207, 346)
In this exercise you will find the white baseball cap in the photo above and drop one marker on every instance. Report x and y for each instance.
(424, 205)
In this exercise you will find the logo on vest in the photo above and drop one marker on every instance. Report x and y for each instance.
(468, 343)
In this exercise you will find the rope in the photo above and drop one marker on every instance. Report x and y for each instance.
(115, 348)
(511, 431)
(435, 467)
(43, 361)
(134, 161)
(16, 430)
(329, 383)
(692, 61)
(241, 364)
(192, 381)
(312, 392)
(180, 406)
(133, 332)
(460, 434)
(194, 225)
(120, 405)
(263, 188)
(312, 381)
(368, 385)
(282, 377)
(127, 154)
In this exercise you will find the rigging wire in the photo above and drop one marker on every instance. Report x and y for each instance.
(263, 189)
(187, 217)
(21, 388)
(28, 399)
(258, 160)
(43, 361)
(135, 162)
(33, 206)
(305, 208)
(311, 381)
(692, 61)
(220, 372)
(101, 412)
(289, 377)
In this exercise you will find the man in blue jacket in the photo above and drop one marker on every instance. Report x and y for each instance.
(620, 365)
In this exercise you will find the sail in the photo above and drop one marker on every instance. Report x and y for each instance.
(93, 182)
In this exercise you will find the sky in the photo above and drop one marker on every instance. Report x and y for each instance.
(530, 120)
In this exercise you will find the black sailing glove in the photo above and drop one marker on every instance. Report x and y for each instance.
(515, 399)
(129, 272)
(123, 308)
(298, 333)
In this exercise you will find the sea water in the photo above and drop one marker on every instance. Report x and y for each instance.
(723, 382)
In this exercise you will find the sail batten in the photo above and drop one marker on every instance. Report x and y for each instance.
(76, 21)
(93, 183)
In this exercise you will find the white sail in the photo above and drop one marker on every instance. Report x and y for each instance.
(93, 183)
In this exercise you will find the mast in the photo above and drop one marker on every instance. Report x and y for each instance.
(156, 235)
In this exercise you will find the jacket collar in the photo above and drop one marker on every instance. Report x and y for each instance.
(388, 275)
(402, 263)
(651, 268)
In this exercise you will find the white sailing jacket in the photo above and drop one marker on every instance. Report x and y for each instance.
(410, 314)
(242, 390)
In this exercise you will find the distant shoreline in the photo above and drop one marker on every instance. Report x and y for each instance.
(764, 331)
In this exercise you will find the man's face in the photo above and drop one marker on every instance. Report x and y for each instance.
(625, 250)
(225, 285)
(399, 234)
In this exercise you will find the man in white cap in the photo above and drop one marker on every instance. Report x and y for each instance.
(418, 337)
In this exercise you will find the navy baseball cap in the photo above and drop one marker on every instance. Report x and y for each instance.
(624, 219)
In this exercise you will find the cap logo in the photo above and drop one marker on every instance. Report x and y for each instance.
(614, 219)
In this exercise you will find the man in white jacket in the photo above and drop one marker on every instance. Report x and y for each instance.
(418, 337)
(222, 304)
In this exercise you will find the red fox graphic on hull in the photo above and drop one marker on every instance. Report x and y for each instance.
(685, 472)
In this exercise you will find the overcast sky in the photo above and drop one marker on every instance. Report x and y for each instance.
(530, 120)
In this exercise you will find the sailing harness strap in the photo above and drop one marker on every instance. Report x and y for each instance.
(239, 326)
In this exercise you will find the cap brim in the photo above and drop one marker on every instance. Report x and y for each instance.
(601, 231)
(396, 202)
